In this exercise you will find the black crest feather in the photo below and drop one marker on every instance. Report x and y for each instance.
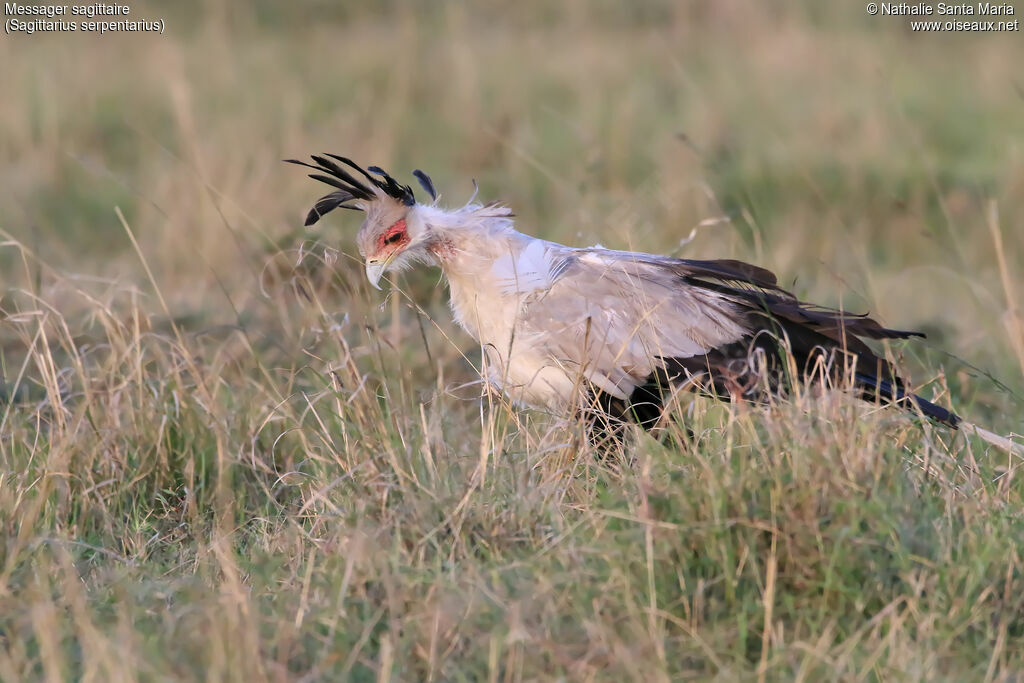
(349, 187)
(426, 183)
(402, 193)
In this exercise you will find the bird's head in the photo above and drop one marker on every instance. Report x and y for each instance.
(393, 235)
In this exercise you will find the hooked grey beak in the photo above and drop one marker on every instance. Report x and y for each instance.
(374, 272)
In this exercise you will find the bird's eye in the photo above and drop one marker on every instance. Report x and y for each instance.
(391, 239)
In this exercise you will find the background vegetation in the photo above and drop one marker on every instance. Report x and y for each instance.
(222, 456)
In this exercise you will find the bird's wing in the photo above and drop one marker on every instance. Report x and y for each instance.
(610, 317)
(614, 318)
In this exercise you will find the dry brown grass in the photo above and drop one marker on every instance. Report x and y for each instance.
(223, 457)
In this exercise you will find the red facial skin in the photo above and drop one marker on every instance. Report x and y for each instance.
(393, 239)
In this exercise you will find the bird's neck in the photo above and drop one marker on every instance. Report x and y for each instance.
(465, 241)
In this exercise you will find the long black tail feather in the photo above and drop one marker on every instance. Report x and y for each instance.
(871, 388)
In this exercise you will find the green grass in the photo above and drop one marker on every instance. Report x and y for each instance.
(251, 466)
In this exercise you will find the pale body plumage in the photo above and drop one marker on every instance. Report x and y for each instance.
(554, 321)
(560, 325)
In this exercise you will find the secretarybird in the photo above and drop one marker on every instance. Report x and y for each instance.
(612, 334)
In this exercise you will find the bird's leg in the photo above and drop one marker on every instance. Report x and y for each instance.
(603, 417)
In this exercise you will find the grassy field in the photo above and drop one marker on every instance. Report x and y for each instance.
(224, 457)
